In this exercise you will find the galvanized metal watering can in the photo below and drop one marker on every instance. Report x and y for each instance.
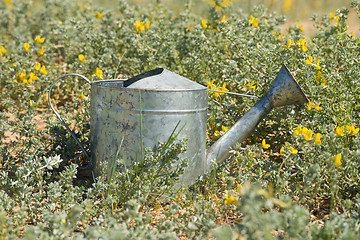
(139, 112)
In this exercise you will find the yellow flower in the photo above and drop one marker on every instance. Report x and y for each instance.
(203, 24)
(22, 77)
(281, 37)
(301, 28)
(43, 70)
(297, 131)
(253, 85)
(7, 1)
(238, 187)
(251, 20)
(289, 43)
(309, 105)
(264, 144)
(81, 96)
(352, 130)
(82, 58)
(294, 151)
(39, 39)
(216, 134)
(222, 19)
(309, 60)
(26, 47)
(42, 51)
(37, 67)
(337, 160)
(317, 138)
(317, 106)
(32, 104)
(230, 200)
(226, 3)
(147, 25)
(2, 49)
(339, 131)
(304, 48)
(98, 73)
(307, 134)
(256, 22)
(317, 66)
(274, 34)
(98, 15)
(331, 16)
(287, 5)
(32, 77)
(282, 150)
(323, 81)
(224, 89)
(224, 129)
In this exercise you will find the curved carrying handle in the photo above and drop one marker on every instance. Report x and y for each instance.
(59, 117)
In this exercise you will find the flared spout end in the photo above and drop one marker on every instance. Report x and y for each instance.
(285, 90)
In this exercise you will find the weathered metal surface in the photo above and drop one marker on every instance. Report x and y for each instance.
(148, 110)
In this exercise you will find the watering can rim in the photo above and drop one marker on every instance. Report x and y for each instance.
(99, 82)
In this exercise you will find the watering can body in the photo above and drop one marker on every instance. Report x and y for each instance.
(129, 116)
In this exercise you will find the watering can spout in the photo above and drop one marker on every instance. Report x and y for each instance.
(283, 91)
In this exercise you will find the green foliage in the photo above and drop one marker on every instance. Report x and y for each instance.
(298, 189)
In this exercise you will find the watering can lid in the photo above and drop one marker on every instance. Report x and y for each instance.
(162, 79)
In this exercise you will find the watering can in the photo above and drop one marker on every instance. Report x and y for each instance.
(142, 111)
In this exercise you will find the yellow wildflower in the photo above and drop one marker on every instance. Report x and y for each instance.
(253, 85)
(264, 144)
(230, 200)
(39, 39)
(37, 67)
(281, 37)
(256, 22)
(7, 1)
(331, 16)
(317, 66)
(98, 15)
(274, 34)
(43, 70)
(307, 134)
(317, 106)
(309, 105)
(224, 89)
(82, 58)
(222, 19)
(26, 47)
(339, 131)
(98, 73)
(304, 48)
(203, 24)
(289, 43)
(251, 20)
(282, 150)
(224, 129)
(32, 104)
(309, 60)
(337, 160)
(2, 49)
(352, 130)
(147, 25)
(317, 138)
(301, 28)
(238, 187)
(287, 5)
(32, 77)
(216, 134)
(293, 150)
(42, 51)
(81, 96)
(22, 77)
(297, 131)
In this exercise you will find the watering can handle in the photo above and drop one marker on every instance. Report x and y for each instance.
(59, 117)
